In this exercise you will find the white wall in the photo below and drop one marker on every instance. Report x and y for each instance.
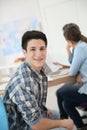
(56, 13)
(53, 14)
(14, 9)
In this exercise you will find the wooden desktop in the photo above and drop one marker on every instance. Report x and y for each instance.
(60, 78)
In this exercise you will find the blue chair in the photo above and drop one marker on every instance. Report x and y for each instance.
(3, 117)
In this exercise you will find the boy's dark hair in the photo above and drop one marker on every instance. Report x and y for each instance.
(29, 35)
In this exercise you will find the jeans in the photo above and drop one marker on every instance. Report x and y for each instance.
(68, 99)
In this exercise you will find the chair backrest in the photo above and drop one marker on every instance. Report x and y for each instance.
(84, 104)
(3, 116)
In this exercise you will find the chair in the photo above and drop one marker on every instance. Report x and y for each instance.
(83, 106)
(3, 117)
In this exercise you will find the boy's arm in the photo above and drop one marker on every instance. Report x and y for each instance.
(47, 124)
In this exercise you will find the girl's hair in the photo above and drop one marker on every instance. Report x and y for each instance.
(72, 32)
(29, 35)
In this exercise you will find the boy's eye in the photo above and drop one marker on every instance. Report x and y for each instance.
(42, 48)
(32, 49)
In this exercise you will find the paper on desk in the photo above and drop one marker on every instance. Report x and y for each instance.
(64, 71)
(5, 79)
(49, 62)
(59, 73)
(49, 78)
(3, 86)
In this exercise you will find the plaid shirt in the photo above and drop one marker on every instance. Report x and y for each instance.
(25, 97)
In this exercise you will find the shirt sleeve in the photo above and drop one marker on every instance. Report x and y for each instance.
(78, 59)
(27, 105)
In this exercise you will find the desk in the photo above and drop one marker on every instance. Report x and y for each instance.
(55, 80)
(9, 66)
(2, 87)
(1, 92)
(5, 73)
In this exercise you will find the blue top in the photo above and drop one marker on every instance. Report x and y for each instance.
(79, 64)
(25, 97)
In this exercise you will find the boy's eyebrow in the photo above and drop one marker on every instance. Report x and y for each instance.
(32, 47)
(35, 46)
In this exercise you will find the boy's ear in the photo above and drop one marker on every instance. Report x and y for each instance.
(24, 51)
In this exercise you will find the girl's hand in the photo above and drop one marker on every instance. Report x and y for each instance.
(79, 79)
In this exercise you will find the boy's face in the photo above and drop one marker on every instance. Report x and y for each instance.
(36, 53)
